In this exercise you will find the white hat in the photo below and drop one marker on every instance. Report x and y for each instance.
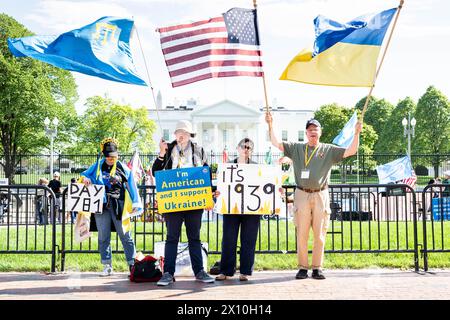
(186, 126)
(447, 173)
(56, 173)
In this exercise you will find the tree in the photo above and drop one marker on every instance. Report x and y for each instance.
(333, 118)
(30, 91)
(377, 113)
(433, 126)
(391, 138)
(105, 118)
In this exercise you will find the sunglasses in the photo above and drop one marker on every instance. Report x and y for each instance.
(246, 147)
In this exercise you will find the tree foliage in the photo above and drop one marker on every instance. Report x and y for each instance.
(378, 112)
(391, 138)
(30, 91)
(433, 126)
(105, 118)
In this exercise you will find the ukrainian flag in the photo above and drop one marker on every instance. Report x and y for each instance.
(344, 54)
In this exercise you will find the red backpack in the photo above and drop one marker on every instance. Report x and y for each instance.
(145, 270)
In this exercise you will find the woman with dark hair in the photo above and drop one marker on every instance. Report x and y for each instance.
(118, 180)
(249, 225)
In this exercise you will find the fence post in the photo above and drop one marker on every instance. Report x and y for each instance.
(52, 214)
(424, 218)
(416, 245)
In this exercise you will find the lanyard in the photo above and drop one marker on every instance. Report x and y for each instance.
(308, 160)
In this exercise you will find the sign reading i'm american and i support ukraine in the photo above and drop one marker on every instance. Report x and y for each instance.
(249, 189)
(183, 189)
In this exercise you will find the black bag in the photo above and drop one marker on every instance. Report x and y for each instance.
(145, 270)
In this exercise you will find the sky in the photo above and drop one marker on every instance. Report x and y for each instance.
(417, 56)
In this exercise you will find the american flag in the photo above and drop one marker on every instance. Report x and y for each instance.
(224, 46)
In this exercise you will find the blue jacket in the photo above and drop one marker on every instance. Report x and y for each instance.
(91, 173)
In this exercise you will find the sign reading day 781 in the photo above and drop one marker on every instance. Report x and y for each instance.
(249, 189)
(85, 198)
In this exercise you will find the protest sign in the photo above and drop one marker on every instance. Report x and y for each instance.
(183, 189)
(249, 189)
(85, 198)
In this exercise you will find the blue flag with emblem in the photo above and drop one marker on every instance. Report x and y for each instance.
(396, 170)
(100, 49)
(345, 137)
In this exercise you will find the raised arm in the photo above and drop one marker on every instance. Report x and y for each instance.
(273, 139)
(353, 147)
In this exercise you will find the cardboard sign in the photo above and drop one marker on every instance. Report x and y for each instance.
(249, 189)
(183, 189)
(87, 199)
(440, 208)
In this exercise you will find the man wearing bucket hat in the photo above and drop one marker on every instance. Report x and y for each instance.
(118, 180)
(312, 162)
(182, 153)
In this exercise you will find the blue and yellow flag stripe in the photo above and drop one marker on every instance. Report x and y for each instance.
(343, 54)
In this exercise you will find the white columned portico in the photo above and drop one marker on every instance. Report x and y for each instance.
(237, 135)
(215, 142)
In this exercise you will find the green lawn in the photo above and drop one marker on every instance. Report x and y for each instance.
(346, 236)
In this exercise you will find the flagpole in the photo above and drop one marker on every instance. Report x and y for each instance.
(400, 6)
(263, 75)
(149, 80)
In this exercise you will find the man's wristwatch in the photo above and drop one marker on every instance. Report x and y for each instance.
(160, 158)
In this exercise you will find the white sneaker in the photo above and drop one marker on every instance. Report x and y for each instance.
(107, 270)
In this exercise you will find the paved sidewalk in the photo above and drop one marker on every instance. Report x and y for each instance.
(340, 284)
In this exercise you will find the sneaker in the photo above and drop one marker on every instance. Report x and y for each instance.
(130, 267)
(166, 279)
(202, 276)
(302, 274)
(221, 277)
(318, 274)
(107, 270)
(243, 277)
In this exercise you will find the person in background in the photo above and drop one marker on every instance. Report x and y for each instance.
(55, 185)
(42, 202)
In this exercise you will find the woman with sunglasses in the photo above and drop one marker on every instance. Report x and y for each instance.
(249, 225)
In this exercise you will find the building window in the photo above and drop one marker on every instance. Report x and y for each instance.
(166, 135)
(205, 135)
(284, 135)
(301, 136)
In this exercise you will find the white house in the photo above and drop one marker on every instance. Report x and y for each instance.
(225, 123)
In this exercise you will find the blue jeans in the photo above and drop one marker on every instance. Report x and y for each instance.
(249, 225)
(193, 221)
(103, 222)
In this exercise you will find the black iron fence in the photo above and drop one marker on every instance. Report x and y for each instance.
(28, 224)
(364, 219)
(436, 220)
(353, 170)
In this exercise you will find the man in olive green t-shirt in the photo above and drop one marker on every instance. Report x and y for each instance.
(312, 162)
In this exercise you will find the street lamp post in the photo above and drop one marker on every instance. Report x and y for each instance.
(51, 131)
(408, 129)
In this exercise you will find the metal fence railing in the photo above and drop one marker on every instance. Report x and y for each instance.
(27, 221)
(436, 220)
(30, 168)
(364, 219)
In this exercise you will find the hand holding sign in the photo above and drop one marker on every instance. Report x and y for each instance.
(86, 198)
(248, 189)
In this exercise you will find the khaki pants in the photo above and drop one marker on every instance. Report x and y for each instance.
(311, 210)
